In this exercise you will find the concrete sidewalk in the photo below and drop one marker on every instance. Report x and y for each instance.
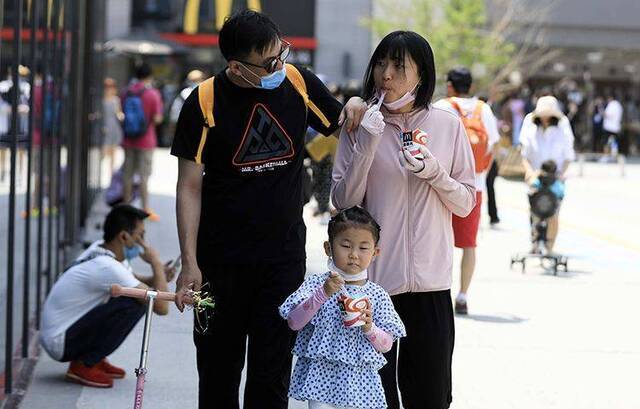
(531, 340)
(172, 377)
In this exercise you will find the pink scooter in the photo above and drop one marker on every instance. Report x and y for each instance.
(150, 296)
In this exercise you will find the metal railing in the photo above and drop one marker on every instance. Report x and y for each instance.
(55, 85)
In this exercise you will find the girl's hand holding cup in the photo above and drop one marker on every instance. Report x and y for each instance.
(333, 284)
(367, 317)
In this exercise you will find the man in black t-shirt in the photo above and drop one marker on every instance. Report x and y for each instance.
(239, 210)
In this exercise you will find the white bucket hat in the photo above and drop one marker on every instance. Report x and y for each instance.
(547, 106)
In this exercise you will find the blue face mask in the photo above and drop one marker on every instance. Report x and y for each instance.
(132, 252)
(271, 81)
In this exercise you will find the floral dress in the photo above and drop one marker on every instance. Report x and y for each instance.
(335, 364)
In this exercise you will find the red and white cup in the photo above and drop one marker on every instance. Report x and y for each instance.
(352, 308)
(411, 142)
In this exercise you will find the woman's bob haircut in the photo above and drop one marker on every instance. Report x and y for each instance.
(395, 46)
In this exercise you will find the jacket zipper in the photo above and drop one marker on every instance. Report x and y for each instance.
(408, 222)
(407, 218)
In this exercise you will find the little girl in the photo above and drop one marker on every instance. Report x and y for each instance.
(337, 366)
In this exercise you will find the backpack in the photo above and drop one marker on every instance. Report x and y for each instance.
(477, 134)
(135, 124)
(205, 98)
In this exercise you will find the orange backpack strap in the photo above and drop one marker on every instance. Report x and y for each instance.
(295, 78)
(477, 112)
(205, 98)
(456, 106)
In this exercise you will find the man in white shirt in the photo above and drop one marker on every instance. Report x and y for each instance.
(81, 323)
(482, 129)
(612, 125)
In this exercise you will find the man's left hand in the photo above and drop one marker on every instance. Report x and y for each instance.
(352, 113)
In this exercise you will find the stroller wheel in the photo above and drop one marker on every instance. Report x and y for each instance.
(563, 263)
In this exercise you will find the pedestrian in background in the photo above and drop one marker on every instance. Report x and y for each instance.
(142, 107)
(547, 135)
(482, 130)
(612, 126)
(81, 322)
(112, 118)
(597, 116)
(321, 150)
(194, 77)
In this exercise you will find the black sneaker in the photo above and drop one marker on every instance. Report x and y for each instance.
(461, 307)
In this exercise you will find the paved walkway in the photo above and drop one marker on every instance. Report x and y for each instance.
(532, 340)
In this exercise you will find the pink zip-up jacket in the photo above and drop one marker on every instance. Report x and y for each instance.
(416, 241)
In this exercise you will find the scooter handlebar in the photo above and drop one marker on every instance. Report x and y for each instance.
(119, 291)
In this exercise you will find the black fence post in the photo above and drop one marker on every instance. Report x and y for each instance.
(42, 176)
(35, 17)
(51, 140)
(15, 94)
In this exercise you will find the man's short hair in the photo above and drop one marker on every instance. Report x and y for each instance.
(460, 79)
(143, 71)
(247, 31)
(122, 217)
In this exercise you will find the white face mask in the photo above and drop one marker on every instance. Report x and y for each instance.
(346, 277)
(404, 100)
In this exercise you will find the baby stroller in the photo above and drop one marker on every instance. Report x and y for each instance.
(544, 201)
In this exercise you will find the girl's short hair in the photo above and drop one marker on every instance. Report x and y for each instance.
(395, 46)
(353, 217)
(553, 121)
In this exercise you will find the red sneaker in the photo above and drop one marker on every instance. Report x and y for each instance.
(88, 375)
(111, 371)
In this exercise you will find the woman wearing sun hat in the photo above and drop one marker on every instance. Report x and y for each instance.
(546, 135)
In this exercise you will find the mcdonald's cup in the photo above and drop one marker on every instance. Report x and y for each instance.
(351, 308)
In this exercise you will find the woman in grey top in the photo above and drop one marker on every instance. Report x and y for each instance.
(112, 117)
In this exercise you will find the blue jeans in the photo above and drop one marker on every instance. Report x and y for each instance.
(102, 330)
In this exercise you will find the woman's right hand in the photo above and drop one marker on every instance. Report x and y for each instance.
(333, 284)
(190, 278)
(373, 121)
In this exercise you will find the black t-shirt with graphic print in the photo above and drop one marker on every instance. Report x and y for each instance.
(252, 186)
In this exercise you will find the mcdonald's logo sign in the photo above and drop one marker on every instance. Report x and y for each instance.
(294, 17)
(223, 8)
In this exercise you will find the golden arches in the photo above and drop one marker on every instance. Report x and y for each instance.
(223, 10)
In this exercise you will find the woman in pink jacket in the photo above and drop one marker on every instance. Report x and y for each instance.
(413, 199)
